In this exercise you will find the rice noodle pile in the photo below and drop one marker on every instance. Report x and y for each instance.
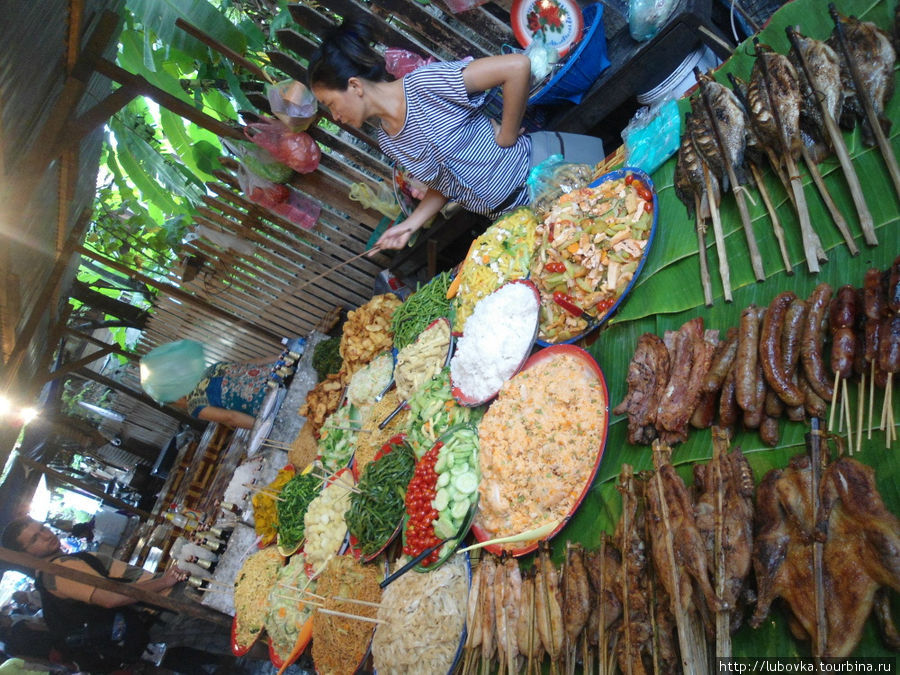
(340, 643)
(251, 592)
(425, 615)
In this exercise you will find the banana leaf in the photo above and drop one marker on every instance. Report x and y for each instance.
(668, 293)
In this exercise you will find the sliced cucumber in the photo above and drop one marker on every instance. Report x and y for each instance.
(441, 465)
(466, 483)
(443, 480)
(441, 499)
(458, 469)
(460, 508)
(443, 526)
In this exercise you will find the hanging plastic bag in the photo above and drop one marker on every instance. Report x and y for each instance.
(172, 370)
(259, 161)
(652, 136)
(399, 62)
(646, 17)
(554, 177)
(296, 149)
(299, 210)
(457, 6)
(292, 103)
(383, 201)
(259, 190)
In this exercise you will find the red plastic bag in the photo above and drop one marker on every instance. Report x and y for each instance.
(299, 210)
(399, 62)
(261, 191)
(296, 149)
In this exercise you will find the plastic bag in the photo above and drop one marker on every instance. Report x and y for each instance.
(296, 149)
(383, 202)
(652, 136)
(399, 62)
(172, 370)
(259, 190)
(299, 210)
(457, 6)
(542, 57)
(554, 177)
(292, 103)
(646, 17)
(259, 161)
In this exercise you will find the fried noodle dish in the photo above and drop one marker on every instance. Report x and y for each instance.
(251, 592)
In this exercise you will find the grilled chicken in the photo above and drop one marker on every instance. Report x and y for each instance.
(861, 549)
(874, 56)
(648, 374)
(727, 477)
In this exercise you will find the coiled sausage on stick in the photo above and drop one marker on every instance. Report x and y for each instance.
(770, 350)
(812, 342)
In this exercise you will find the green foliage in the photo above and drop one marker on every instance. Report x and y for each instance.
(327, 357)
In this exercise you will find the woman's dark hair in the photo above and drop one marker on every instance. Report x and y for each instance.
(346, 52)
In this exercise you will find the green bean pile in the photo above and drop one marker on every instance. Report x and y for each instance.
(327, 357)
(376, 510)
(421, 308)
(295, 497)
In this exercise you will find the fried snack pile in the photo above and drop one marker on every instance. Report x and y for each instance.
(321, 401)
(367, 331)
(304, 448)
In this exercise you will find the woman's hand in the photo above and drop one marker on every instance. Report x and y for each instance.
(395, 237)
(498, 135)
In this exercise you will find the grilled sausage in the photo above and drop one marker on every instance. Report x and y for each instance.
(721, 362)
(768, 431)
(893, 287)
(889, 349)
(843, 308)
(843, 350)
(872, 340)
(774, 406)
(753, 416)
(811, 344)
(814, 404)
(873, 295)
(747, 358)
(770, 354)
(728, 408)
(791, 334)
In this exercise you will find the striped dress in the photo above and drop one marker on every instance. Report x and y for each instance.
(448, 143)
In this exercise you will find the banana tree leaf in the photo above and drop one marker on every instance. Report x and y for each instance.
(131, 58)
(670, 281)
(160, 15)
(668, 293)
(182, 143)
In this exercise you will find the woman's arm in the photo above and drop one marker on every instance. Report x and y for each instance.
(396, 237)
(231, 418)
(511, 72)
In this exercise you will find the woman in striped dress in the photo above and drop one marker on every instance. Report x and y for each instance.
(431, 122)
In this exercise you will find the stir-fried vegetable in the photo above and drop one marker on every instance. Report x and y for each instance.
(590, 246)
(338, 436)
(294, 499)
(377, 509)
(421, 308)
(433, 410)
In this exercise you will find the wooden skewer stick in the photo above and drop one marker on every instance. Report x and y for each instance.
(862, 92)
(277, 444)
(871, 396)
(719, 234)
(860, 408)
(840, 149)
(836, 215)
(306, 283)
(302, 590)
(300, 598)
(834, 397)
(845, 407)
(700, 226)
(358, 602)
(346, 615)
(773, 216)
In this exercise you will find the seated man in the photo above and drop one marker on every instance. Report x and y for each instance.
(62, 595)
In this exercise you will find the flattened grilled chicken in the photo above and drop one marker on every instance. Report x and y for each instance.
(823, 84)
(635, 641)
(861, 549)
(730, 473)
(874, 55)
(648, 374)
(673, 528)
(731, 120)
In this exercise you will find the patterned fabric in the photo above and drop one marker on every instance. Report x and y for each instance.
(235, 386)
(448, 143)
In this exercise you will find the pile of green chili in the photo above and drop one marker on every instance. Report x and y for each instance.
(294, 499)
(421, 308)
(376, 510)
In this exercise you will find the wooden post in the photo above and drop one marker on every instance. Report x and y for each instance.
(100, 343)
(194, 609)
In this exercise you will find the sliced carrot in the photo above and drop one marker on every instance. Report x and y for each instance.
(453, 289)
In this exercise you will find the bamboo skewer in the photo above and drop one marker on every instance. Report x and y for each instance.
(773, 216)
(840, 149)
(700, 226)
(862, 93)
(347, 615)
(723, 617)
(263, 491)
(834, 398)
(845, 408)
(358, 602)
(719, 234)
(306, 283)
(820, 637)
(871, 396)
(860, 408)
(755, 257)
(838, 218)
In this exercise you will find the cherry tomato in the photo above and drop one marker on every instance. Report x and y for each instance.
(629, 179)
(643, 193)
(604, 306)
(555, 267)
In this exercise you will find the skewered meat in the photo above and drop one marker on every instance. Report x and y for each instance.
(548, 604)
(728, 477)
(635, 641)
(474, 610)
(527, 636)
(731, 121)
(603, 566)
(507, 639)
(812, 342)
(489, 575)
(648, 374)
(770, 354)
(689, 181)
(776, 123)
(673, 532)
(576, 594)
(822, 89)
(501, 634)
(861, 548)
(871, 49)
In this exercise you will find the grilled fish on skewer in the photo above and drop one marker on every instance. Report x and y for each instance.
(819, 72)
(774, 98)
(719, 133)
(867, 74)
